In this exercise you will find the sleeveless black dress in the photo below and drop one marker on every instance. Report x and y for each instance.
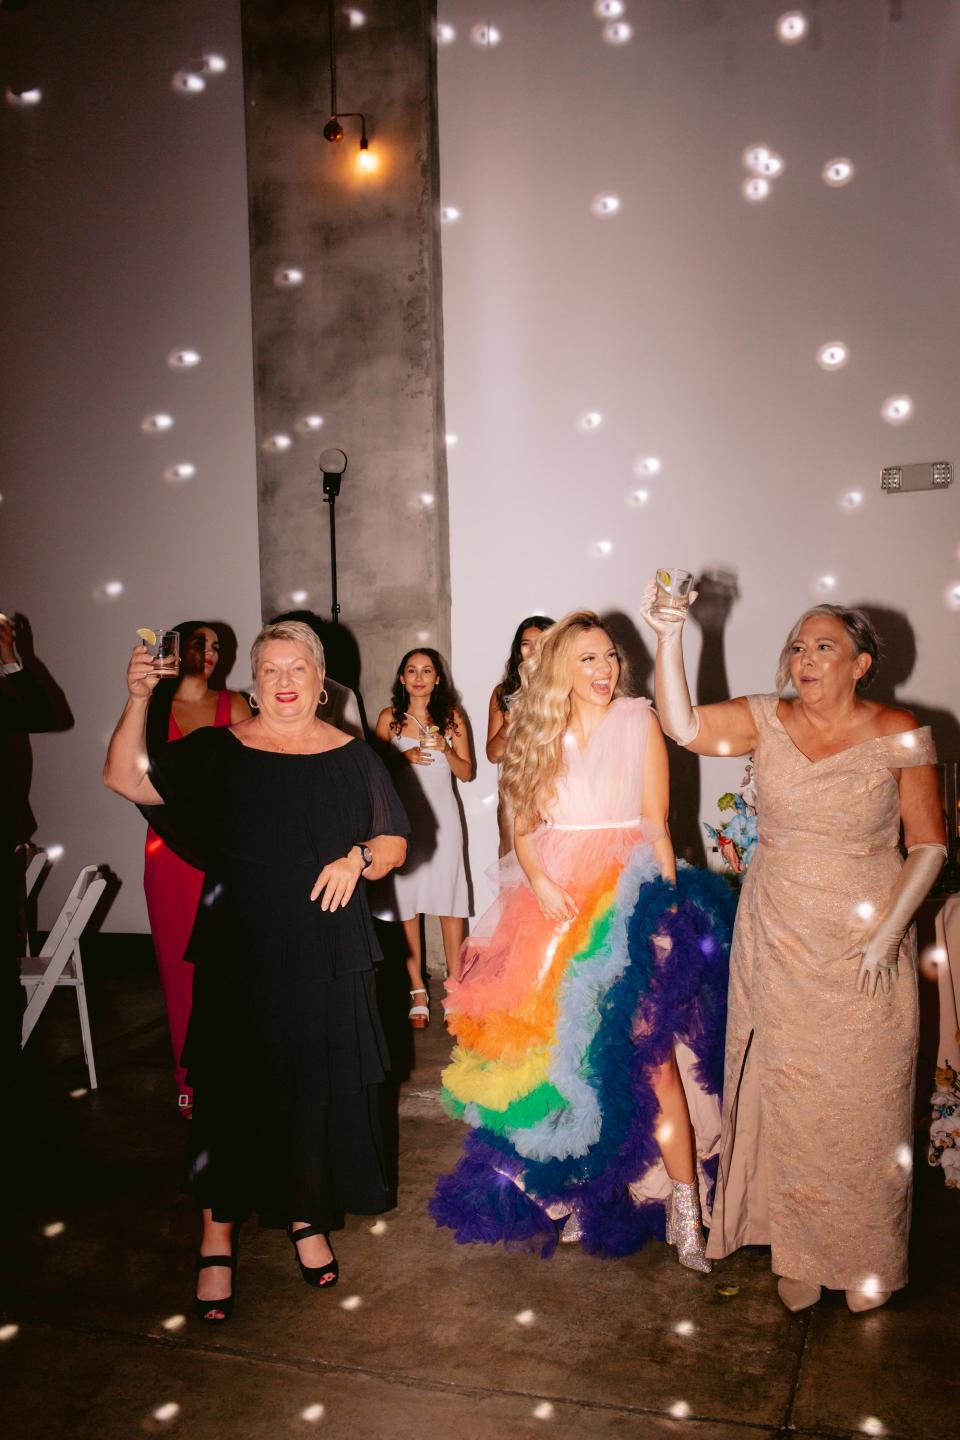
(285, 1050)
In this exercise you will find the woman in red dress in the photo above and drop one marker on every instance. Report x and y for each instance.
(171, 883)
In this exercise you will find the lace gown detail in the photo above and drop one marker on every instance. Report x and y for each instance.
(818, 1096)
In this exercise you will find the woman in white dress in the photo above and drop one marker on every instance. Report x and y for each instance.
(425, 725)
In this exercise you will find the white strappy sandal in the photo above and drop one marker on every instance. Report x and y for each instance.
(419, 1015)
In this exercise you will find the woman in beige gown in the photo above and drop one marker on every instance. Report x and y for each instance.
(817, 1142)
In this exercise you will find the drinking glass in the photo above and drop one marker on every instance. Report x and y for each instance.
(673, 588)
(165, 651)
(429, 741)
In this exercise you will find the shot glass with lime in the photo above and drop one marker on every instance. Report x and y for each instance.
(164, 647)
(673, 588)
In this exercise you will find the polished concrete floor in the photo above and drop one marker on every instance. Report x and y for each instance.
(422, 1337)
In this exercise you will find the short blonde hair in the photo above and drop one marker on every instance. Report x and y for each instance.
(289, 630)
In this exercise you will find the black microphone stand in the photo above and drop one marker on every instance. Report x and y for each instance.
(332, 465)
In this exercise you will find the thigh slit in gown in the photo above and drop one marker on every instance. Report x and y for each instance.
(559, 1029)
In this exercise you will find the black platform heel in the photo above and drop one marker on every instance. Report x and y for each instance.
(202, 1308)
(314, 1274)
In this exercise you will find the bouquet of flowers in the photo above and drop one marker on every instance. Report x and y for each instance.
(945, 1129)
(736, 837)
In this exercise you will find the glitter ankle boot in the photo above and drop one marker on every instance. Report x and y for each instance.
(683, 1227)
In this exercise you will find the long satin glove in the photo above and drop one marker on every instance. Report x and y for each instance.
(679, 718)
(879, 956)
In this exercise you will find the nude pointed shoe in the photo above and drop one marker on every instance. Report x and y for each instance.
(797, 1294)
(858, 1302)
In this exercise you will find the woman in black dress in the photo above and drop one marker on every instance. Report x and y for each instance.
(285, 1051)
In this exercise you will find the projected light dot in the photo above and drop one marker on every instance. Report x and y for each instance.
(52, 1231)
(865, 910)
(680, 1410)
(608, 9)
(352, 1302)
(723, 747)
(826, 584)
(288, 277)
(23, 99)
(684, 1327)
(213, 64)
(489, 800)
(183, 359)
(179, 473)
(312, 1414)
(838, 172)
(446, 34)
(356, 18)
(833, 355)
(276, 444)
(379, 1227)
(601, 549)
(451, 440)
(187, 82)
(299, 597)
(9, 1332)
(870, 1425)
(423, 636)
(639, 497)
(754, 157)
(79, 1093)
(648, 465)
(618, 32)
(664, 1132)
(485, 36)
(897, 409)
(55, 852)
(951, 596)
(426, 499)
(870, 1286)
(525, 1317)
(174, 1322)
(156, 424)
(449, 214)
(852, 500)
(166, 1413)
(606, 205)
(770, 166)
(792, 26)
(112, 589)
(543, 1411)
(592, 420)
(308, 424)
(904, 1157)
(755, 189)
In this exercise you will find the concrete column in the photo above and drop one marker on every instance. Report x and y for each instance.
(358, 339)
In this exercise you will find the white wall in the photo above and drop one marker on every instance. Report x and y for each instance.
(691, 321)
(124, 235)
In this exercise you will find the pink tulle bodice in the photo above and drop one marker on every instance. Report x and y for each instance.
(603, 784)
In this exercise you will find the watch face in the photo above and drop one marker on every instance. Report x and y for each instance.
(366, 855)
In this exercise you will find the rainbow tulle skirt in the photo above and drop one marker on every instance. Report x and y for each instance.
(558, 1033)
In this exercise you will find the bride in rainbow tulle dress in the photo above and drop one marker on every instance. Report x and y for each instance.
(590, 1010)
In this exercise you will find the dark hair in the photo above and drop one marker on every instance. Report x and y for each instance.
(442, 705)
(510, 683)
(863, 638)
(161, 701)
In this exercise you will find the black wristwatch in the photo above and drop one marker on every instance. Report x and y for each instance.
(366, 855)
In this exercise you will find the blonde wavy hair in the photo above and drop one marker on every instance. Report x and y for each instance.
(539, 718)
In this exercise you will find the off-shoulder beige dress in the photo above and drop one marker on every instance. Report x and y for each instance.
(817, 1137)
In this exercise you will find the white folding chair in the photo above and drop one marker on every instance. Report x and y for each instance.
(58, 963)
(33, 864)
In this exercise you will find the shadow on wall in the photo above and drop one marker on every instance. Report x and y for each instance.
(898, 659)
(717, 593)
